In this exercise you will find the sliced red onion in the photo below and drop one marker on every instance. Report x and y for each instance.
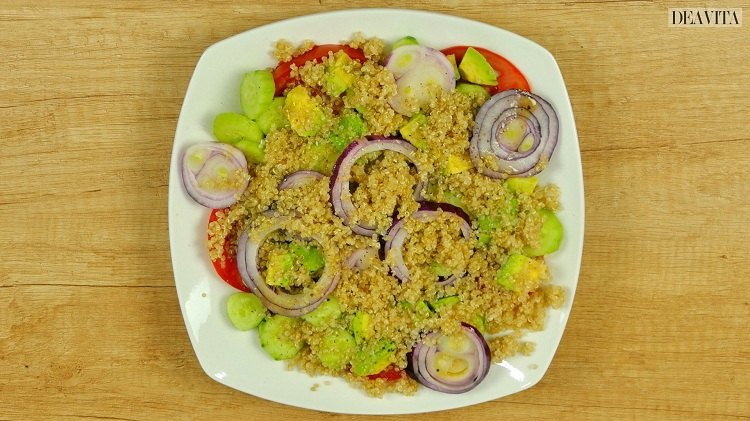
(359, 259)
(214, 174)
(496, 134)
(339, 184)
(415, 68)
(396, 235)
(454, 364)
(299, 179)
(279, 302)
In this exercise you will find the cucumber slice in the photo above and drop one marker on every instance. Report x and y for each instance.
(256, 92)
(273, 117)
(337, 349)
(232, 128)
(328, 311)
(550, 237)
(277, 337)
(245, 310)
(407, 40)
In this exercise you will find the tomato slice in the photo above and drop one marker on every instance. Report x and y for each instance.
(509, 76)
(390, 373)
(228, 272)
(282, 72)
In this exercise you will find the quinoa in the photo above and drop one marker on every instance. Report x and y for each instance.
(383, 186)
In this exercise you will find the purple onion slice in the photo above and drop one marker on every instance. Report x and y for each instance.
(359, 259)
(516, 131)
(339, 184)
(396, 235)
(454, 364)
(416, 68)
(214, 174)
(278, 301)
(299, 179)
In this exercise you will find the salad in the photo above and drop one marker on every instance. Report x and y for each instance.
(377, 209)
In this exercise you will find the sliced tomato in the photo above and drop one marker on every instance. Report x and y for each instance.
(228, 272)
(509, 76)
(282, 72)
(390, 373)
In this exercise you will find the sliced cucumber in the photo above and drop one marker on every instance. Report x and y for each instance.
(277, 336)
(256, 92)
(550, 236)
(245, 310)
(232, 128)
(328, 311)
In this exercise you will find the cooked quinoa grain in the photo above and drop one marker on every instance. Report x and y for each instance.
(382, 187)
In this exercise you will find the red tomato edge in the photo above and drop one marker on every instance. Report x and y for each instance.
(229, 272)
(281, 74)
(390, 373)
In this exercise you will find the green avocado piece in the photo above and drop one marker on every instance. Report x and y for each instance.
(445, 302)
(373, 357)
(361, 326)
(407, 40)
(337, 349)
(515, 266)
(550, 237)
(277, 269)
(489, 223)
(350, 126)
(473, 90)
(305, 116)
(256, 92)
(475, 68)
(326, 312)
(409, 130)
(522, 185)
(336, 78)
(311, 257)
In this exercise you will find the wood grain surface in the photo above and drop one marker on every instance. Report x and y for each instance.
(90, 325)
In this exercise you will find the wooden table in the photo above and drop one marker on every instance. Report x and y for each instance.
(90, 325)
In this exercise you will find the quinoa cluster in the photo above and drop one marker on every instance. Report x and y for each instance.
(383, 189)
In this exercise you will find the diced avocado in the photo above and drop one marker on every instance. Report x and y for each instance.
(232, 128)
(474, 68)
(550, 237)
(326, 312)
(407, 40)
(273, 117)
(256, 92)
(473, 90)
(480, 323)
(489, 223)
(305, 116)
(440, 269)
(337, 349)
(254, 151)
(409, 130)
(350, 126)
(276, 334)
(373, 357)
(361, 326)
(458, 163)
(523, 185)
(277, 271)
(245, 310)
(453, 198)
(311, 257)
(517, 270)
(445, 302)
(423, 309)
(321, 157)
(452, 59)
(336, 78)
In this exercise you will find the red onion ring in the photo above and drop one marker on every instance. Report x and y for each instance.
(494, 117)
(299, 179)
(291, 305)
(358, 260)
(339, 184)
(214, 174)
(425, 361)
(396, 235)
(415, 67)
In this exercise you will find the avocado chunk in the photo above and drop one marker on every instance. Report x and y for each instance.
(475, 68)
(350, 126)
(276, 334)
(452, 59)
(473, 90)
(407, 40)
(327, 312)
(337, 78)
(410, 130)
(519, 273)
(486, 224)
(336, 349)
(245, 310)
(273, 117)
(256, 92)
(522, 185)
(321, 156)
(278, 269)
(550, 237)
(373, 357)
(361, 326)
(309, 256)
(305, 116)
(445, 302)
(458, 164)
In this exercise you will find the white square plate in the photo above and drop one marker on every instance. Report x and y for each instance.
(235, 358)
